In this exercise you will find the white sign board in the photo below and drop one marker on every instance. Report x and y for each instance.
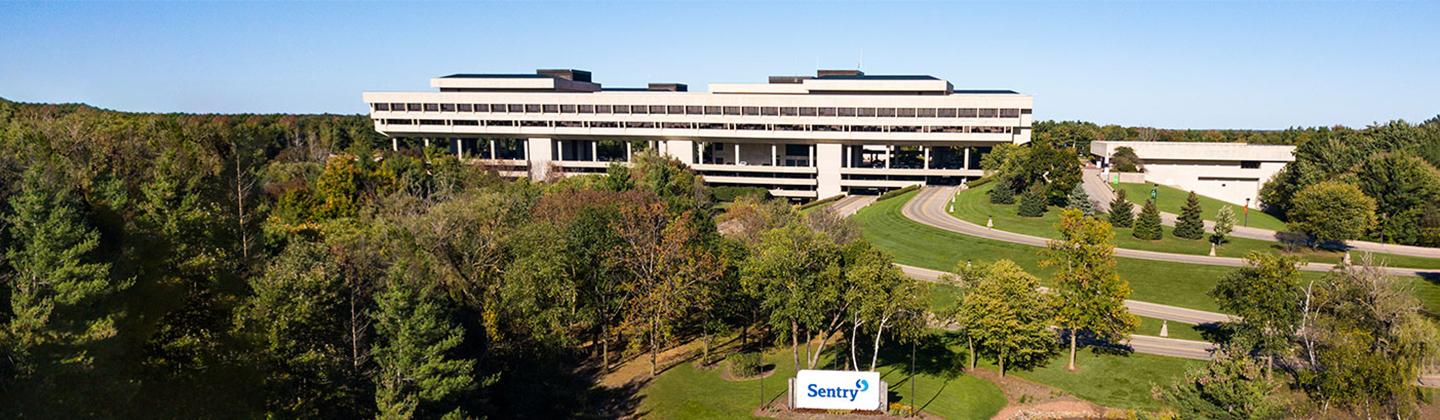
(838, 390)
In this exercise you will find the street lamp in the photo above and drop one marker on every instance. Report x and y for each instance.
(1382, 227)
(1247, 211)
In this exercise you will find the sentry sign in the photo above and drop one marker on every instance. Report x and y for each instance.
(838, 390)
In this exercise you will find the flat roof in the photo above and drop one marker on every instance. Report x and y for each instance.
(495, 76)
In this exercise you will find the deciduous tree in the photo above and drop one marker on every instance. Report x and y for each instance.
(1265, 294)
(1009, 318)
(1332, 211)
(1090, 295)
(1224, 224)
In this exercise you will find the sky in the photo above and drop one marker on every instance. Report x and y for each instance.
(1249, 65)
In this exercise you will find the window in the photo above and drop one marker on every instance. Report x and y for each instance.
(516, 108)
(683, 125)
(602, 109)
(482, 108)
(808, 111)
(639, 109)
(694, 109)
(432, 107)
(789, 111)
(905, 112)
(732, 110)
(865, 112)
(534, 124)
(397, 107)
(770, 110)
(400, 122)
(675, 110)
(925, 112)
(465, 107)
(567, 109)
(712, 110)
(412, 107)
(464, 122)
(827, 112)
(987, 112)
(639, 124)
(945, 113)
(657, 109)
(968, 112)
(752, 110)
(586, 109)
(447, 107)
(432, 122)
(532, 108)
(1009, 113)
(845, 112)
(885, 112)
(495, 123)
(382, 107)
(622, 109)
(550, 109)
(1025, 111)
(1249, 164)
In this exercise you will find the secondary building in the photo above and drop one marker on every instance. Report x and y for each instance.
(801, 137)
(1232, 172)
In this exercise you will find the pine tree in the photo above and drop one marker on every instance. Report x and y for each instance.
(1189, 226)
(1122, 213)
(1002, 194)
(1032, 203)
(415, 372)
(1079, 200)
(1147, 226)
(1224, 224)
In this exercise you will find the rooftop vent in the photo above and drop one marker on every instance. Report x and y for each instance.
(567, 74)
(671, 87)
(823, 73)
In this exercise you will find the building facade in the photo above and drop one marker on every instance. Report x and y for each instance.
(1232, 172)
(800, 137)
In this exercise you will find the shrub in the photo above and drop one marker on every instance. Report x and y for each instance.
(821, 202)
(1147, 226)
(744, 365)
(729, 193)
(897, 193)
(980, 181)
(1189, 226)
(1032, 203)
(1002, 194)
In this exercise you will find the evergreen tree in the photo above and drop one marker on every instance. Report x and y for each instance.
(1002, 194)
(1122, 213)
(1147, 226)
(1224, 224)
(416, 378)
(1032, 203)
(1079, 200)
(1189, 226)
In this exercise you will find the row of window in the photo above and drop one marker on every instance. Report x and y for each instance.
(707, 126)
(784, 111)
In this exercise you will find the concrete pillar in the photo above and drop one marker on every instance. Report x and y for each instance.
(395, 144)
(827, 168)
(427, 142)
(737, 154)
(460, 148)
(537, 154)
(628, 152)
(595, 150)
(683, 150)
(927, 156)
(492, 150)
(774, 155)
(966, 165)
(888, 150)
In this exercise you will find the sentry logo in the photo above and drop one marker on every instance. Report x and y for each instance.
(817, 392)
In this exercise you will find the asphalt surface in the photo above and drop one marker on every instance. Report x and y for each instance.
(851, 204)
(928, 207)
(1098, 190)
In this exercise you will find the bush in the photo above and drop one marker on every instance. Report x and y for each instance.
(744, 365)
(729, 193)
(1147, 226)
(1002, 194)
(980, 181)
(897, 193)
(820, 202)
(1032, 203)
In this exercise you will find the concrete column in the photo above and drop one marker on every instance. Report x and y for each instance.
(927, 157)
(460, 148)
(492, 150)
(966, 165)
(683, 150)
(827, 168)
(427, 142)
(395, 144)
(628, 152)
(813, 164)
(595, 150)
(888, 150)
(737, 154)
(774, 155)
(537, 154)
(700, 152)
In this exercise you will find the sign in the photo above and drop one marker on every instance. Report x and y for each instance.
(838, 390)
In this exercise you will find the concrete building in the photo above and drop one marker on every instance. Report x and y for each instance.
(1232, 172)
(801, 137)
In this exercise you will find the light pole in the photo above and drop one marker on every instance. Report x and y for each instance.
(1247, 211)
(1382, 227)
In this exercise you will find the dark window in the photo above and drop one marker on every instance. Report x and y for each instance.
(382, 107)
(675, 110)
(401, 122)
(567, 109)
(1250, 164)
(622, 109)
(1025, 111)
(770, 110)
(752, 110)
(694, 109)
(604, 124)
(586, 109)
(945, 113)
(657, 109)
(465, 107)
(532, 108)
(432, 107)
(397, 107)
(827, 112)
(639, 109)
(482, 108)
(464, 122)
(712, 110)
(534, 123)
(789, 111)
(905, 112)
(684, 125)
(845, 112)
(797, 150)
(885, 112)
(495, 123)
(808, 111)
(865, 112)
(732, 110)
(925, 112)
(447, 107)
(967, 112)
(412, 107)
(987, 112)
(1009, 113)
(432, 122)
(516, 108)
(602, 109)
(639, 124)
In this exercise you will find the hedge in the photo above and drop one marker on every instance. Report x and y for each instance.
(979, 181)
(729, 193)
(897, 193)
(820, 202)
(744, 365)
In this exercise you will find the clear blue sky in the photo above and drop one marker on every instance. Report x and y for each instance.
(1162, 64)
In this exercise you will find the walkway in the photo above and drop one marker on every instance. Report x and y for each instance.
(928, 208)
(851, 204)
(1098, 190)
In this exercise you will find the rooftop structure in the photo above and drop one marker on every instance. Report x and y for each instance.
(799, 136)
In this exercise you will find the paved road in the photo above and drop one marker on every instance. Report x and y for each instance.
(851, 204)
(928, 207)
(1096, 187)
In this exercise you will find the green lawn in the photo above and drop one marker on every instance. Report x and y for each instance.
(974, 206)
(1171, 199)
(1151, 326)
(684, 392)
(942, 297)
(1121, 381)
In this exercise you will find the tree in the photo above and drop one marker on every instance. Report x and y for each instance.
(1125, 160)
(1189, 225)
(1332, 211)
(1265, 294)
(1008, 317)
(1089, 292)
(1032, 203)
(1001, 193)
(55, 279)
(416, 377)
(1079, 200)
(1147, 226)
(1230, 387)
(885, 298)
(1401, 185)
(337, 188)
(799, 275)
(1224, 224)
(1122, 213)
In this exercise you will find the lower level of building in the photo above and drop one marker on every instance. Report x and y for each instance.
(800, 171)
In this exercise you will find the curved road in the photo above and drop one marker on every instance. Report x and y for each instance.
(928, 207)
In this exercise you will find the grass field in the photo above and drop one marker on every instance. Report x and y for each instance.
(1121, 381)
(974, 206)
(1171, 199)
